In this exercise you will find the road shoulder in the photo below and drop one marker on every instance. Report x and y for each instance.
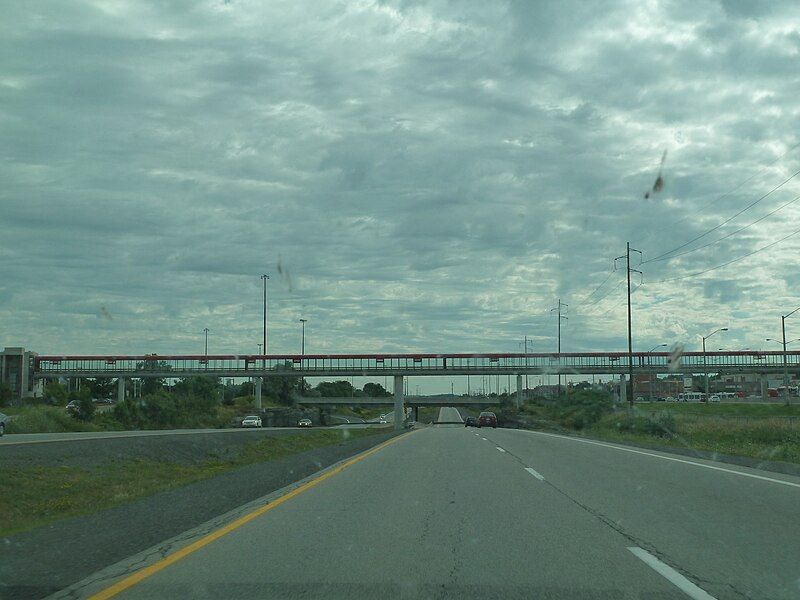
(36, 563)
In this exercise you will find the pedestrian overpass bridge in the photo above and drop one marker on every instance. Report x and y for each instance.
(404, 365)
(365, 365)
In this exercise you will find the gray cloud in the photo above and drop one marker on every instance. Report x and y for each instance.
(433, 176)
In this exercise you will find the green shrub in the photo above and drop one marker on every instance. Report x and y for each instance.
(660, 425)
(46, 419)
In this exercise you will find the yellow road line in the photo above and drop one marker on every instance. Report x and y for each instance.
(141, 575)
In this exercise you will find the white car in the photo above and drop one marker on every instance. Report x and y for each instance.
(251, 421)
(714, 398)
(305, 423)
(382, 422)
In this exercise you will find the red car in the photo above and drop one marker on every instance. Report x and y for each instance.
(489, 419)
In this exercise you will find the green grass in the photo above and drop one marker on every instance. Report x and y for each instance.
(34, 496)
(775, 438)
(733, 409)
(760, 431)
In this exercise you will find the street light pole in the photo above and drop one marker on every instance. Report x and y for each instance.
(785, 367)
(705, 362)
(302, 352)
(206, 331)
(264, 278)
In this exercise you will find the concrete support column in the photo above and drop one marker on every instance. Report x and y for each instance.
(120, 389)
(519, 391)
(257, 381)
(416, 413)
(399, 412)
(764, 388)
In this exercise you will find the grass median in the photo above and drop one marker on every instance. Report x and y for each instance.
(34, 496)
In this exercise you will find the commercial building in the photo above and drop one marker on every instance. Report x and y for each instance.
(16, 369)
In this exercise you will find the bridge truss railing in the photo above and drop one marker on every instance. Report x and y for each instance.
(408, 364)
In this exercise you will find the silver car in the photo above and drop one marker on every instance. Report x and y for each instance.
(251, 421)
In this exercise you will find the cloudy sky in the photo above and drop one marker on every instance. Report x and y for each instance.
(413, 176)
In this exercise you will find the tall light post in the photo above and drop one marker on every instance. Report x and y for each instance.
(259, 349)
(652, 373)
(705, 364)
(206, 332)
(785, 367)
(265, 278)
(303, 337)
(302, 351)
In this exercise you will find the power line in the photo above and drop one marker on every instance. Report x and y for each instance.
(731, 191)
(728, 220)
(606, 295)
(598, 287)
(725, 264)
(618, 304)
(724, 237)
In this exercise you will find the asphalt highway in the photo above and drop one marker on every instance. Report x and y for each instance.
(455, 512)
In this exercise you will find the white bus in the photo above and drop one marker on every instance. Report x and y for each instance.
(691, 397)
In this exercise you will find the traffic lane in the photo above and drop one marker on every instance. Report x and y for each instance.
(449, 414)
(11, 439)
(741, 533)
(440, 513)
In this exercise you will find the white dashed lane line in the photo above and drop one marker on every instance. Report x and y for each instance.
(535, 473)
(499, 448)
(671, 575)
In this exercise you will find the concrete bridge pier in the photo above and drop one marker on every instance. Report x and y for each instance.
(519, 391)
(120, 389)
(257, 382)
(399, 409)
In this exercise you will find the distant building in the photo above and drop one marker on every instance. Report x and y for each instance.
(16, 369)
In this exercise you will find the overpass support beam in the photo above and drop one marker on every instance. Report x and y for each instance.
(764, 388)
(399, 411)
(257, 382)
(120, 389)
(519, 391)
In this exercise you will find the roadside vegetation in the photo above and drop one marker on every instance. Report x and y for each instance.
(191, 403)
(760, 431)
(34, 496)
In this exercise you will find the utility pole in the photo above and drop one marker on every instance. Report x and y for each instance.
(627, 257)
(560, 316)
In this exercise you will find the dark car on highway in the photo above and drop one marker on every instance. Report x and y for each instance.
(470, 422)
(487, 419)
(3, 423)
